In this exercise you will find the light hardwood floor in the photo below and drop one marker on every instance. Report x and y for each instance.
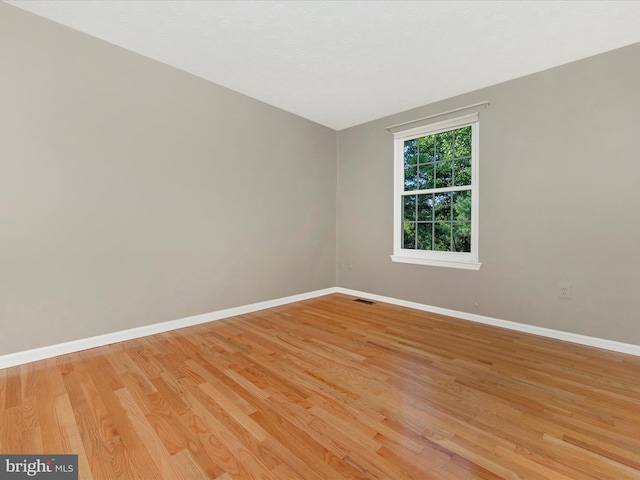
(329, 389)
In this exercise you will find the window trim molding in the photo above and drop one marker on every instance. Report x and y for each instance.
(463, 260)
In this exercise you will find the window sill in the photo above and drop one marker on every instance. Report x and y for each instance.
(465, 265)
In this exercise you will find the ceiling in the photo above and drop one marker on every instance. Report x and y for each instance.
(342, 63)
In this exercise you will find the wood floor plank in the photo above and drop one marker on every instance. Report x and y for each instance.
(326, 389)
(302, 453)
(76, 411)
(157, 451)
(128, 453)
(184, 462)
(12, 430)
(45, 392)
(71, 438)
(13, 387)
(237, 458)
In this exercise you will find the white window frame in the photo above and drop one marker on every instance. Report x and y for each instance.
(465, 260)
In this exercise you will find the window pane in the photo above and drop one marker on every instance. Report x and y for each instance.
(442, 237)
(425, 207)
(409, 208)
(410, 153)
(443, 174)
(461, 171)
(442, 206)
(462, 206)
(425, 149)
(409, 235)
(444, 145)
(462, 237)
(425, 176)
(436, 200)
(462, 142)
(425, 236)
(410, 178)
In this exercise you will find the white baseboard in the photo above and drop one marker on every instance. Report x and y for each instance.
(612, 345)
(19, 358)
(27, 356)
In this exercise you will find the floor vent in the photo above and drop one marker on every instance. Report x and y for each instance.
(362, 300)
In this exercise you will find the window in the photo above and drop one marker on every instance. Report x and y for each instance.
(436, 194)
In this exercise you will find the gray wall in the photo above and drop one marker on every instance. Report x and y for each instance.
(132, 193)
(559, 202)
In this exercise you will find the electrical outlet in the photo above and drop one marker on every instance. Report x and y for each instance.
(564, 291)
(349, 264)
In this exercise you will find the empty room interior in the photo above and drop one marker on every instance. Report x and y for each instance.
(223, 252)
